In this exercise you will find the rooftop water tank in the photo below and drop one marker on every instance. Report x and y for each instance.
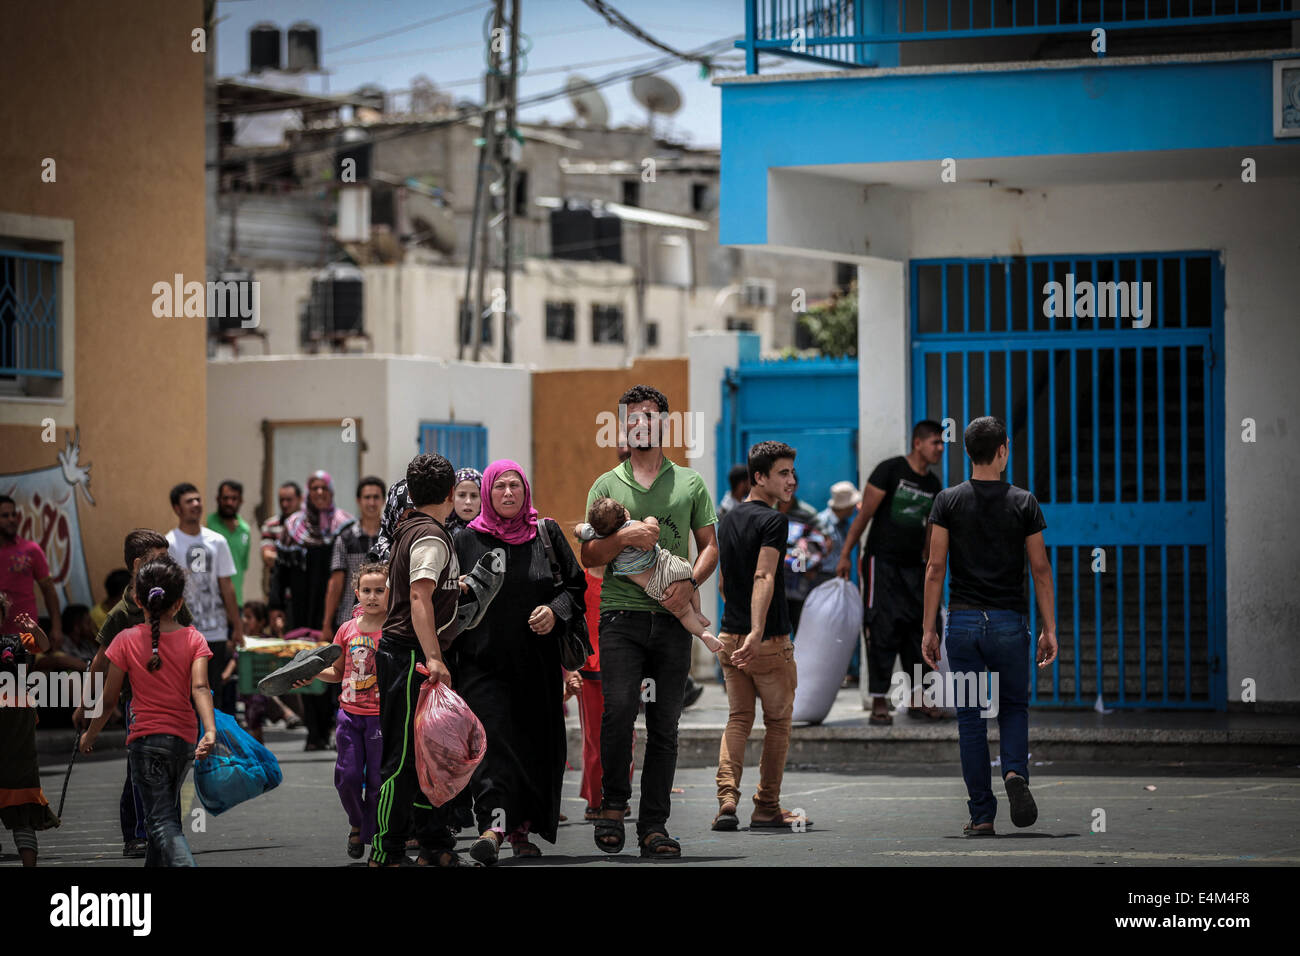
(263, 47)
(304, 47)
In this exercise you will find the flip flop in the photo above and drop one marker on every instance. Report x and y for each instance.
(306, 663)
(484, 583)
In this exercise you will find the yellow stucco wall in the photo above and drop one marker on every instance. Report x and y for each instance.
(114, 94)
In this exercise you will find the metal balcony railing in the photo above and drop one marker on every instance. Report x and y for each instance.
(844, 32)
(29, 314)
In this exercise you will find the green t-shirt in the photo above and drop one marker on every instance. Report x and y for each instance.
(681, 503)
(239, 541)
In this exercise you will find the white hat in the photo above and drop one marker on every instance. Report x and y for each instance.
(843, 495)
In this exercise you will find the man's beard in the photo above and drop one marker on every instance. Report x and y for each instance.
(225, 512)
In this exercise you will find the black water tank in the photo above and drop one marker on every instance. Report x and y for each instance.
(578, 232)
(336, 305)
(609, 237)
(263, 47)
(304, 47)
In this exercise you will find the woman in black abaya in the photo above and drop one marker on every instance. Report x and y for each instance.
(508, 667)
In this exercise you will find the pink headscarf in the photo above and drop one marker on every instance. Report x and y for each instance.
(517, 530)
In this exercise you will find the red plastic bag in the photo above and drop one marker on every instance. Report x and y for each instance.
(449, 742)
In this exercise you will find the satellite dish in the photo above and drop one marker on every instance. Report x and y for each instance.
(657, 95)
(587, 101)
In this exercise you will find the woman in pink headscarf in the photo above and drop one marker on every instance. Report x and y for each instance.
(507, 668)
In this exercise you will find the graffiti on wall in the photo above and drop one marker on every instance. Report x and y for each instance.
(46, 501)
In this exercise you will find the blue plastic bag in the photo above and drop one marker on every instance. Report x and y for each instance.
(237, 769)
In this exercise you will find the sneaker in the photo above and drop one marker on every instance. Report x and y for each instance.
(135, 849)
(306, 663)
(1023, 809)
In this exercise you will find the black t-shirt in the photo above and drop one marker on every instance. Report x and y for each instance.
(897, 532)
(742, 533)
(988, 522)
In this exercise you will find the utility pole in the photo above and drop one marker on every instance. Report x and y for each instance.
(488, 153)
(509, 150)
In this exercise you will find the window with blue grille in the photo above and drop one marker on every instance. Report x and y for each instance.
(465, 446)
(29, 315)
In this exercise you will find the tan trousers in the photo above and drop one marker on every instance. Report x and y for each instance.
(771, 678)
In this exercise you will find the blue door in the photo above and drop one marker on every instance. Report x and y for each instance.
(810, 404)
(465, 446)
(1118, 431)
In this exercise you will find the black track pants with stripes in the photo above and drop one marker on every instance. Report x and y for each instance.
(400, 796)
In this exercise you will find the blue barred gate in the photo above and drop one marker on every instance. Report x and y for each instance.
(1118, 431)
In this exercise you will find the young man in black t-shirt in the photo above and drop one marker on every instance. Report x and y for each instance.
(989, 526)
(757, 656)
(897, 501)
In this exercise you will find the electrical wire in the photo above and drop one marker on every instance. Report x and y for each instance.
(406, 29)
(616, 19)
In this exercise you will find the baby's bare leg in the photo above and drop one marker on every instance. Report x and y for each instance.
(690, 616)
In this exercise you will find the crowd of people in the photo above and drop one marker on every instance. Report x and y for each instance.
(452, 576)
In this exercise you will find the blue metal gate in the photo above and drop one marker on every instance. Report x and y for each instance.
(810, 404)
(465, 446)
(1118, 430)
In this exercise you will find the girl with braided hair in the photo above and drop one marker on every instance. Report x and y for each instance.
(167, 665)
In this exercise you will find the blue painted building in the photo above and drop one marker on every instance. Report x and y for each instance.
(1083, 218)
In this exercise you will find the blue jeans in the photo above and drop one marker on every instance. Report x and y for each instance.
(999, 642)
(158, 764)
(130, 809)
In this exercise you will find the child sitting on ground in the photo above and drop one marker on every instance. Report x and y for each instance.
(651, 570)
(359, 743)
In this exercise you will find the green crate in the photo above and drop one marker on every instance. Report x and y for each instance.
(254, 666)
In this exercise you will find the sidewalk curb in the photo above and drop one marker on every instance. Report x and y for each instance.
(869, 746)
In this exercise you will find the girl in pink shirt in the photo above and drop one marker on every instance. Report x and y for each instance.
(167, 666)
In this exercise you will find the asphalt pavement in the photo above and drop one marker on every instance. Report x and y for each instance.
(1090, 814)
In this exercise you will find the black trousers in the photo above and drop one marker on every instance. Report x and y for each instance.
(637, 646)
(401, 801)
(894, 597)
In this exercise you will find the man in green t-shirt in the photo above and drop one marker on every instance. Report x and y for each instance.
(639, 637)
(226, 521)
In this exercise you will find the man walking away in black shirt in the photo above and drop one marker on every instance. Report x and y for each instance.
(897, 501)
(989, 526)
(757, 656)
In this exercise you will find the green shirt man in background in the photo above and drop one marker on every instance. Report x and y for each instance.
(227, 522)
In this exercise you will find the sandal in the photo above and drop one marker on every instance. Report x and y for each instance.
(593, 813)
(978, 830)
(356, 849)
(526, 849)
(784, 820)
(486, 849)
(444, 858)
(880, 720)
(726, 820)
(611, 835)
(483, 582)
(659, 845)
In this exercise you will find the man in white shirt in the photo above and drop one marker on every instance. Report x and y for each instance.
(209, 587)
